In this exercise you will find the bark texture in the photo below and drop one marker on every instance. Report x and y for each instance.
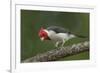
(59, 53)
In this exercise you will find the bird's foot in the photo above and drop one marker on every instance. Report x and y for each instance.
(57, 44)
(61, 47)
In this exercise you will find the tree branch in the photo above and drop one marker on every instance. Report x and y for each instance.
(59, 53)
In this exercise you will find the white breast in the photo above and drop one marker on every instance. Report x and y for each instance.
(59, 36)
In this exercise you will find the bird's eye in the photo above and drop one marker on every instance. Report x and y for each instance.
(41, 34)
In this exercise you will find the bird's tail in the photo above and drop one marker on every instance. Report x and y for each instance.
(81, 36)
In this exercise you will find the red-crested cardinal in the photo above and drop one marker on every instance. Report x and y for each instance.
(57, 34)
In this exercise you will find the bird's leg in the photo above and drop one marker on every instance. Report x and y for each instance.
(57, 43)
(62, 45)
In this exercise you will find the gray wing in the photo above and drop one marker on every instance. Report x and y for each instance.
(58, 29)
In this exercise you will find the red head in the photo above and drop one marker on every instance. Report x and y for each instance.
(43, 34)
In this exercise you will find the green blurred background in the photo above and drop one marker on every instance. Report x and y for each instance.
(32, 21)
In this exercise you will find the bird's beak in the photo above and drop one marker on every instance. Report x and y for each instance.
(42, 38)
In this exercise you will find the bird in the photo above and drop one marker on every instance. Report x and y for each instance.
(57, 34)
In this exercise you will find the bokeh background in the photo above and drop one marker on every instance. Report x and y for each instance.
(32, 21)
